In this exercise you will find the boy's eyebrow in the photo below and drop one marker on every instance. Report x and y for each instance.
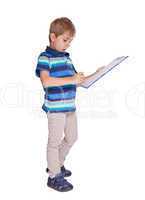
(68, 37)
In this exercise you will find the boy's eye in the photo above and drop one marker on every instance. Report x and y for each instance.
(65, 40)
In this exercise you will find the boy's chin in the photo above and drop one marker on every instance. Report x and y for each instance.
(63, 50)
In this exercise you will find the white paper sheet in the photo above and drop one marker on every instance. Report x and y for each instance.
(96, 76)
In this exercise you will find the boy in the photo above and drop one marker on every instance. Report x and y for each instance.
(59, 79)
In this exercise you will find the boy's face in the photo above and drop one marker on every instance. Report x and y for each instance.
(61, 42)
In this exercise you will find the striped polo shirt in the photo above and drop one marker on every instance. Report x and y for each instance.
(58, 64)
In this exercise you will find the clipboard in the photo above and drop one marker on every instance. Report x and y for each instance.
(98, 75)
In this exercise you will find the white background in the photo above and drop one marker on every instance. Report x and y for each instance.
(108, 160)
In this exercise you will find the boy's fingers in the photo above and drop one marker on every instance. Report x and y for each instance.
(100, 68)
(81, 73)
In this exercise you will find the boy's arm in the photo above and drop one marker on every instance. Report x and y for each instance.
(52, 81)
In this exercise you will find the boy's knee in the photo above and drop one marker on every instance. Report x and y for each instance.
(54, 143)
(72, 140)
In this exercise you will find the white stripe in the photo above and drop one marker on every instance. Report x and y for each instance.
(59, 102)
(60, 105)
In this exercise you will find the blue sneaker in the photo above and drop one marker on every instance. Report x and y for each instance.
(59, 183)
(65, 172)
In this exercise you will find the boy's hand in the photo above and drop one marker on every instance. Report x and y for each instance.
(79, 78)
(100, 68)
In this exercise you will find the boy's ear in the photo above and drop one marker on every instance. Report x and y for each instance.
(52, 37)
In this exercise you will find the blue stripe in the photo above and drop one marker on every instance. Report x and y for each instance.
(62, 73)
(61, 109)
(46, 109)
(62, 87)
(61, 99)
(57, 90)
(61, 68)
(59, 64)
(66, 95)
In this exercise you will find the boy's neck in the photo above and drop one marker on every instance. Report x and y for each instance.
(53, 47)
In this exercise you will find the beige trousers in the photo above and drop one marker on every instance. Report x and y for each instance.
(62, 135)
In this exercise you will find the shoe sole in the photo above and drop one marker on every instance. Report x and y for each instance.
(59, 190)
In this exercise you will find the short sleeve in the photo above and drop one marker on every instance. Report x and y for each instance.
(42, 64)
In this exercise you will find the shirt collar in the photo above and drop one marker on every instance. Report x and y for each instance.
(54, 52)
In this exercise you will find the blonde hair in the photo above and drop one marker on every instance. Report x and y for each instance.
(61, 25)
